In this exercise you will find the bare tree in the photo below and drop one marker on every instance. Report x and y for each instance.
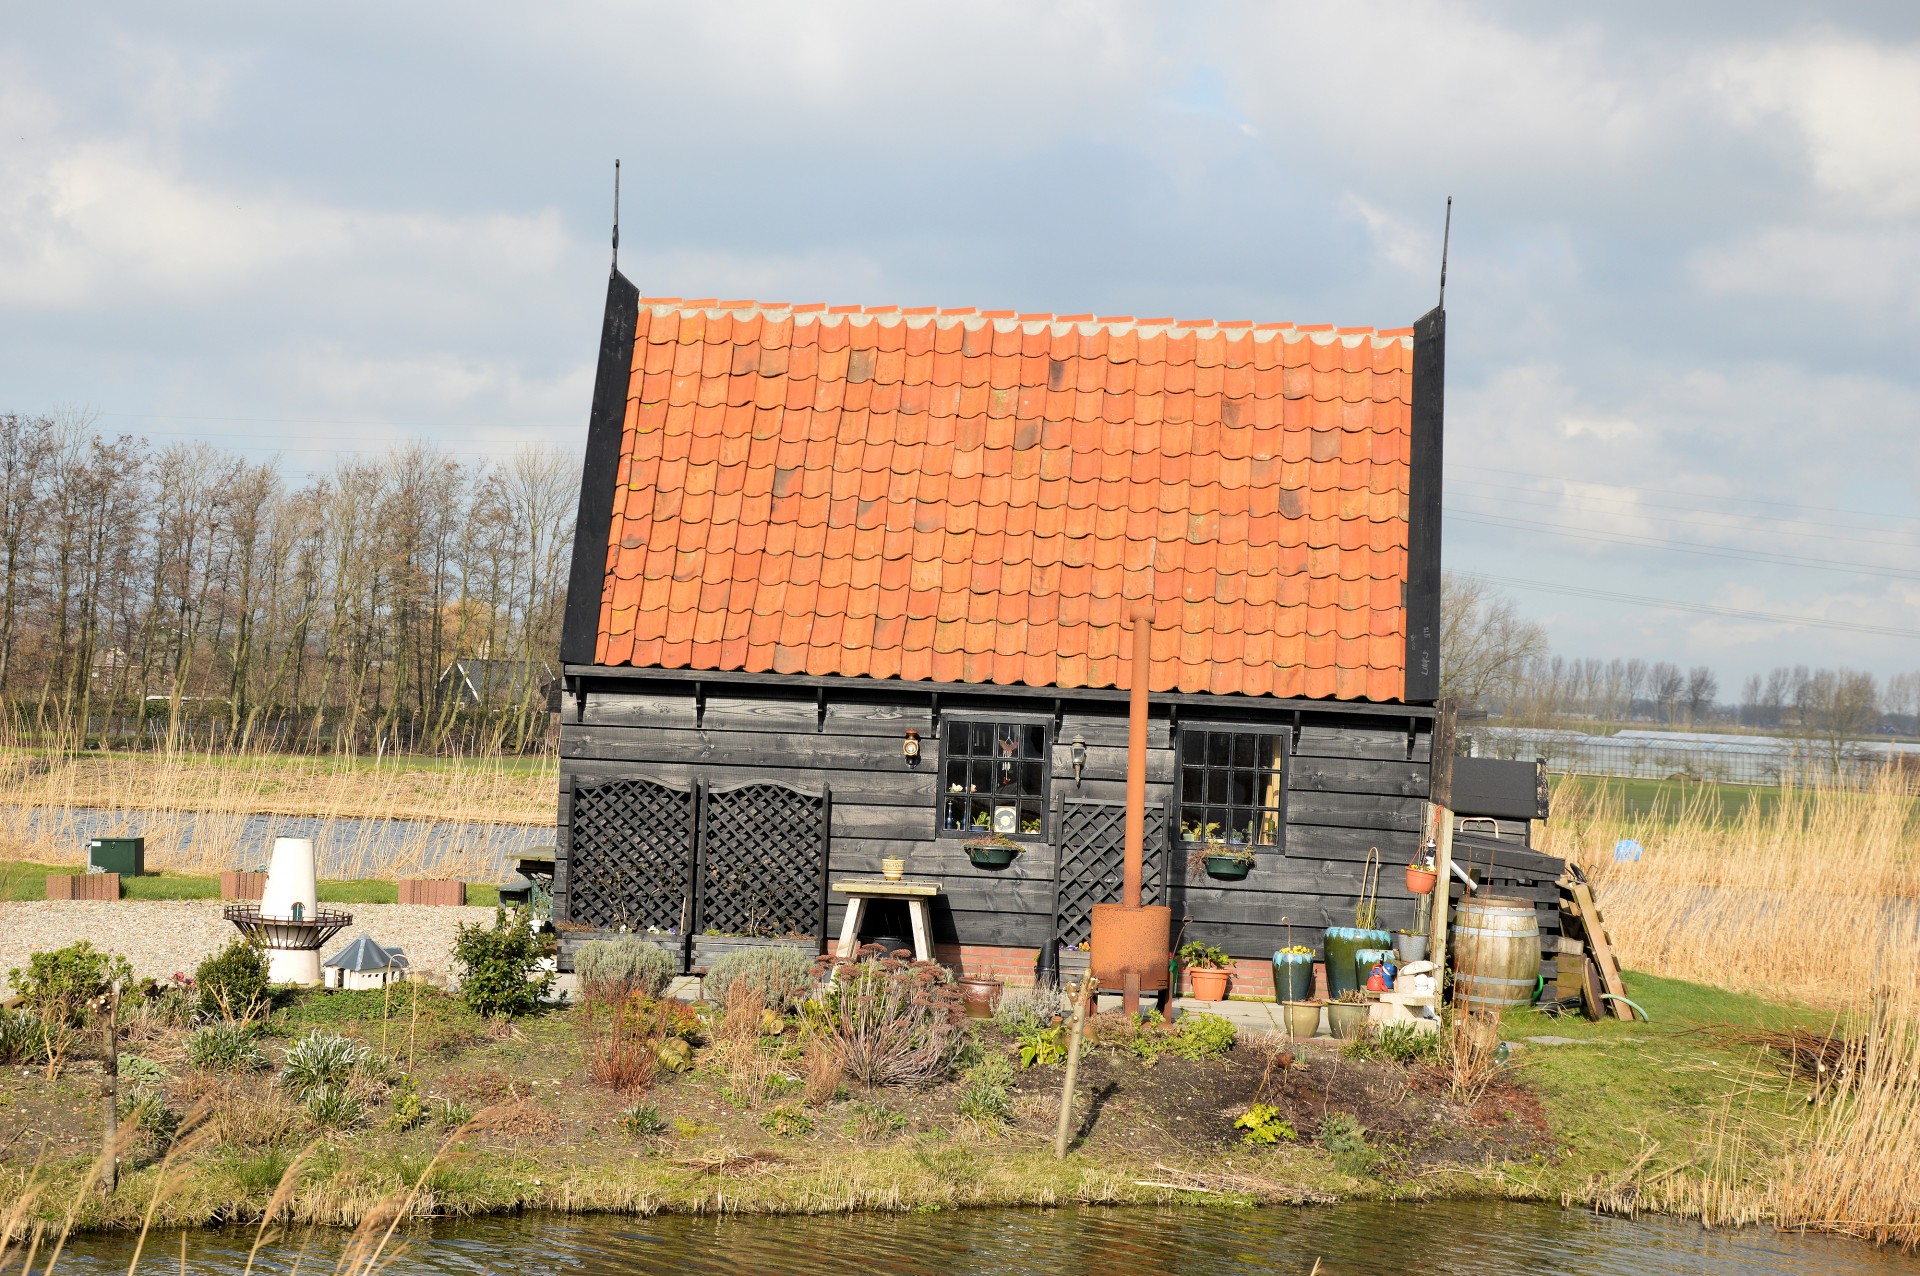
(1702, 687)
(1665, 684)
(1484, 643)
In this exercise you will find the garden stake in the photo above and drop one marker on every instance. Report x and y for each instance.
(1089, 987)
(110, 1176)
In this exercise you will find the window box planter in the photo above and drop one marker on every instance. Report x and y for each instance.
(708, 947)
(993, 852)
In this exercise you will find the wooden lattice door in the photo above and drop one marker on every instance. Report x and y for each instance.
(1092, 839)
(631, 856)
(763, 862)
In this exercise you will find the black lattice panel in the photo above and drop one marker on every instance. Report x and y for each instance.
(631, 855)
(760, 862)
(1093, 847)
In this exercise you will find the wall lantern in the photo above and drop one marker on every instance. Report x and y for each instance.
(1078, 752)
(910, 748)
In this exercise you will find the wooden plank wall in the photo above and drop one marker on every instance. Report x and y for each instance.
(1352, 785)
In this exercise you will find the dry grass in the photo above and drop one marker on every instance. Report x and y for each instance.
(193, 807)
(1815, 898)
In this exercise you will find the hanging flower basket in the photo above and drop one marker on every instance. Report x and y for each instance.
(1229, 865)
(997, 851)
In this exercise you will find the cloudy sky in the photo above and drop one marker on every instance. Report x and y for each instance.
(1684, 300)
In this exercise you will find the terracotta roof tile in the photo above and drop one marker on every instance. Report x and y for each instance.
(972, 497)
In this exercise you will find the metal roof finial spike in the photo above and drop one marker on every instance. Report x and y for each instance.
(1446, 236)
(616, 223)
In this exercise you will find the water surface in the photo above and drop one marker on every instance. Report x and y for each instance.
(1434, 1239)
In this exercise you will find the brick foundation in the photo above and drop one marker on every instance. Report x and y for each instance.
(1011, 966)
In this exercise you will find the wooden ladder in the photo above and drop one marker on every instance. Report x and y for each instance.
(1602, 991)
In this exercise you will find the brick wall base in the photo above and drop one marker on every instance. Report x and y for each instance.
(1014, 967)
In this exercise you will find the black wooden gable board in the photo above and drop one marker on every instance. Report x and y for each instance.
(587, 582)
(1504, 790)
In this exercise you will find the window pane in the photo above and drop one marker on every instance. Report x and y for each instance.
(1242, 750)
(982, 781)
(1243, 788)
(1192, 786)
(954, 814)
(1036, 746)
(956, 775)
(1030, 817)
(1217, 785)
(1216, 748)
(1270, 751)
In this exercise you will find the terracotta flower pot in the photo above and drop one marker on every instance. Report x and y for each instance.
(979, 994)
(1421, 880)
(1208, 985)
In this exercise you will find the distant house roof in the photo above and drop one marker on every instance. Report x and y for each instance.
(976, 497)
(363, 954)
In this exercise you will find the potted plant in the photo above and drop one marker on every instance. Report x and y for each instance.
(1303, 1018)
(1206, 970)
(1293, 973)
(1411, 945)
(1212, 857)
(1421, 877)
(1348, 1015)
(994, 851)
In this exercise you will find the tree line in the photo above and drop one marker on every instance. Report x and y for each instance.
(1496, 661)
(154, 592)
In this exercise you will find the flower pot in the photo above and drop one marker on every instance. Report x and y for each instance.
(978, 993)
(991, 856)
(1410, 946)
(1227, 868)
(1421, 880)
(1208, 985)
(1341, 943)
(1303, 1019)
(1347, 1019)
(1292, 976)
(893, 868)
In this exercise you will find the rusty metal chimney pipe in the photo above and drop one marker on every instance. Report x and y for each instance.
(1137, 756)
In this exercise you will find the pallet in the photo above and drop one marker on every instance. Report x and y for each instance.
(1602, 990)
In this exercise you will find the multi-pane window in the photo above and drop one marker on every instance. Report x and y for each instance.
(994, 777)
(1231, 784)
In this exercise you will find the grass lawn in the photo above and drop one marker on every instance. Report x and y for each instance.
(1644, 797)
(25, 879)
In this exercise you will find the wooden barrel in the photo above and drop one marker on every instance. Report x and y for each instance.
(1496, 952)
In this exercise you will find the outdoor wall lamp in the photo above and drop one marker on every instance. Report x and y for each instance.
(910, 748)
(1078, 752)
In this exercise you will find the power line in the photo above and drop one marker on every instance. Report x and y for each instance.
(1696, 496)
(1710, 609)
(1583, 498)
(1686, 547)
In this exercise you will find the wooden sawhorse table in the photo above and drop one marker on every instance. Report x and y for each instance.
(916, 891)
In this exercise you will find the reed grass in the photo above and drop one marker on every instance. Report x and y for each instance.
(199, 810)
(1813, 897)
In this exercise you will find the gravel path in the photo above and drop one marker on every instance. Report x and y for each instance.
(162, 936)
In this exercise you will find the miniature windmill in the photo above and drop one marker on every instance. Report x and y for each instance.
(288, 922)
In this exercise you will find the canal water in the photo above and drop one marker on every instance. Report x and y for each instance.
(1434, 1239)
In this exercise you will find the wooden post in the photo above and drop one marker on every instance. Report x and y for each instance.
(1137, 757)
(1442, 887)
(1088, 988)
(110, 1177)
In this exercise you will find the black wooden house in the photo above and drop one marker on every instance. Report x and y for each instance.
(850, 584)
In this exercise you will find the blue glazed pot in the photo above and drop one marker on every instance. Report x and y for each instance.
(1342, 942)
(1293, 976)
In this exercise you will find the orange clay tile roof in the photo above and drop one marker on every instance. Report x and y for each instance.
(974, 497)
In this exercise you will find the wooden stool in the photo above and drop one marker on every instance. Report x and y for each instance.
(916, 891)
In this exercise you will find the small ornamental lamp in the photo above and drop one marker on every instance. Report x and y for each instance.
(910, 748)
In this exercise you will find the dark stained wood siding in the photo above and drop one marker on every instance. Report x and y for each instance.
(1355, 781)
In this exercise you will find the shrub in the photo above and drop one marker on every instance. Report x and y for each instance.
(150, 1113)
(334, 1108)
(23, 1038)
(233, 981)
(642, 1118)
(497, 966)
(224, 1047)
(1199, 1037)
(623, 1043)
(58, 985)
(893, 1022)
(409, 1109)
(1021, 1010)
(788, 1120)
(783, 976)
(171, 1002)
(615, 969)
(1346, 1141)
(321, 1061)
(1264, 1126)
(986, 1092)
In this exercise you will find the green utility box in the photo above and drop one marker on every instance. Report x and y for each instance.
(126, 856)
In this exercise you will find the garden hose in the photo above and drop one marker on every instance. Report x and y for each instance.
(1614, 996)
